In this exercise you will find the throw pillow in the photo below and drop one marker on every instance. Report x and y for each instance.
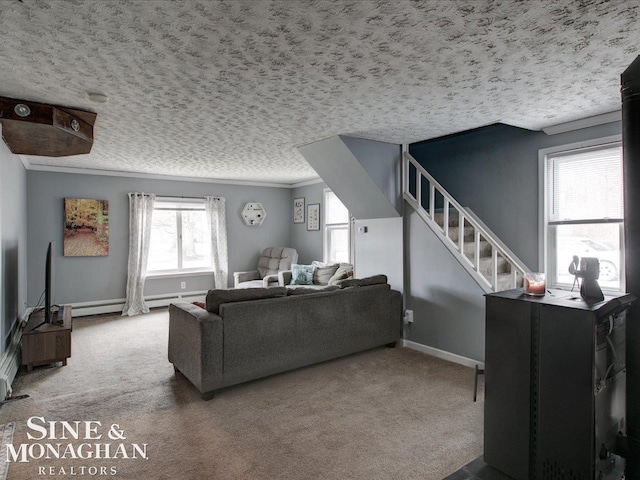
(302, 274)
(374, 280)
(343, 271)
(323, 274)
(349, 282)
(200, 304)
(362, 282)
(215, 298)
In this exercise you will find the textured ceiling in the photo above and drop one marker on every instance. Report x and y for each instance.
(228, 89)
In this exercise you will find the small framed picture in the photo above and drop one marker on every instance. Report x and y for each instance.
(298, 210)
(313, 216)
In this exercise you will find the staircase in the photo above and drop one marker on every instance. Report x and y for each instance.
(491, 264)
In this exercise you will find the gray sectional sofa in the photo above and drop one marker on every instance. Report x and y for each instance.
(247, 334)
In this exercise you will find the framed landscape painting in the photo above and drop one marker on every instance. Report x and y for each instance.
(86, 227)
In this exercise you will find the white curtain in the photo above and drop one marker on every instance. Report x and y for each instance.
(216, 217)
(140, 213)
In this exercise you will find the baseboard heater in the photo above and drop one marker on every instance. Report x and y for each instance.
(10, 360)
(116, 305)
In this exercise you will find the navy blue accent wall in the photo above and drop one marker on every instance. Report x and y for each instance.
(494, 171)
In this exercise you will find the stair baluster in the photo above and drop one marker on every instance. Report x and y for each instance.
(493, 266)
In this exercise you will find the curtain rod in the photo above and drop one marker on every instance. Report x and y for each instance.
(182, 196)
(177, 196)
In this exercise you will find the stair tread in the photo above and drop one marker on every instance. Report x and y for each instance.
(454, 233)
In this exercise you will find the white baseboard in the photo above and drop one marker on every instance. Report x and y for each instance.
(442, 354)
(10, 360)
(116, 305)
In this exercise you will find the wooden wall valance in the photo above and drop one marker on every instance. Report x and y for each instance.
(32, 128)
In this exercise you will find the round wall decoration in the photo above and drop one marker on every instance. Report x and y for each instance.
(253, 214)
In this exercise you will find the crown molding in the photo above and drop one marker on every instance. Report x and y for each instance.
(154, 176)
(25, 161)
(306, 183)
(583, 123)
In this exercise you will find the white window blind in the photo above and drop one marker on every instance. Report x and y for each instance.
(584, 213)
(335, 210)
(586, 185)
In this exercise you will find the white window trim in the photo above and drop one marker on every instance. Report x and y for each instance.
(543, 218)
(181, 272)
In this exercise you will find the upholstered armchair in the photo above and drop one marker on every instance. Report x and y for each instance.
(272, 260)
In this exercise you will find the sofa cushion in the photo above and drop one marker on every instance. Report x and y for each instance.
(362, 282)
(215, 298)
(323, 274)
(302, 274)
(251, 284)
(314, 289)
(345, 270)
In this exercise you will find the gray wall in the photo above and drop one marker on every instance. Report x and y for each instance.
(13, 234)
(83, 279)
(380, 249)
(383, 163)
(494, 171)
(307, 243)
(347, 177)
(365, 175)
(447, 304)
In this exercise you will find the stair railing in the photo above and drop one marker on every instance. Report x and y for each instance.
(456, 247)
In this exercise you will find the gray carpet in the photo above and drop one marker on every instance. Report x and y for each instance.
(380, 414)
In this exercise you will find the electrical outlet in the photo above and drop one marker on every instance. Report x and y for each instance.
(183, 285)
(408, 316)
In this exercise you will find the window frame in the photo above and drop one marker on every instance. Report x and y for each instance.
(546, 228)
(328, 227)
(179, 272)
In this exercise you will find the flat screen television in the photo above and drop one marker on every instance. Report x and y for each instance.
(48, 284)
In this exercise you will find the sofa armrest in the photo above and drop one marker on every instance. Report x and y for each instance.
(284, 278)
(270, 281)
(195, 345)
(239, 277)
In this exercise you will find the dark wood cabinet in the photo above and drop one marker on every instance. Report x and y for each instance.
(48, 342)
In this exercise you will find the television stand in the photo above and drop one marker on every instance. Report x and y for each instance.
(44, 343)
(54, 319)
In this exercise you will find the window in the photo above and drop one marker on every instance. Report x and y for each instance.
(337, 230)
(584, 213)
(180, 238)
